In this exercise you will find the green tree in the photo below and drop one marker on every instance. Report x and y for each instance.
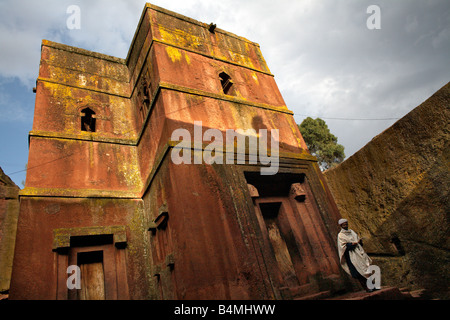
(322, 143)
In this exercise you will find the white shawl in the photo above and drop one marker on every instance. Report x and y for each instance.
(358, 256)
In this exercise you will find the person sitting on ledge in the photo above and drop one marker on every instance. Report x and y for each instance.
(354, 260)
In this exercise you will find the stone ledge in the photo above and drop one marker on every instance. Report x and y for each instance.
(61, 236)
(77, 193)
(90, 137)
(385, 293)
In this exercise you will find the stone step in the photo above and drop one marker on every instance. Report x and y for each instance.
(317, 296)
(385, 293)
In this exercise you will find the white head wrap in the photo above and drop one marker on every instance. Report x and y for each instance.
(341, 221)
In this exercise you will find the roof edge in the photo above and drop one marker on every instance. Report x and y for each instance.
(81, 51)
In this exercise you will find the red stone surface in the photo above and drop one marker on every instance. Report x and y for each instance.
(192, 231)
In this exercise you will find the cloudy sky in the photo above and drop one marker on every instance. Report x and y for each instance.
(326, 61)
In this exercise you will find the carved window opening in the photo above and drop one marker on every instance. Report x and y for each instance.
(159, 286)
(143, 95)
(146, 92)
(88, 120)
(397, 245)
(226, 82)
(163, 258)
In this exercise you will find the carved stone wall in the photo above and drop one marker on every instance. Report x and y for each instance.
(108, 197)
(395, 193)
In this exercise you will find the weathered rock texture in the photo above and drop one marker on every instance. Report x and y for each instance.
(9, 212)
(104, 194)
(395, 193)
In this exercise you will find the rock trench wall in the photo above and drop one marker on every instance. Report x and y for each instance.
(394, 191)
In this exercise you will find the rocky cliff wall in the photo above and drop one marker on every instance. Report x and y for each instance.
(394, 192)
(9, 212)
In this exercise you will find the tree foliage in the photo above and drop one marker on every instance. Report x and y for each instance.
(322, 143)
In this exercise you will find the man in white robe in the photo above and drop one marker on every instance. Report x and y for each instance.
(354, 260)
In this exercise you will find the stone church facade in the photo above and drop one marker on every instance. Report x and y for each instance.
(103, 193)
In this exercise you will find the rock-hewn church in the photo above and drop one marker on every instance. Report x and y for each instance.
(104, 195)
